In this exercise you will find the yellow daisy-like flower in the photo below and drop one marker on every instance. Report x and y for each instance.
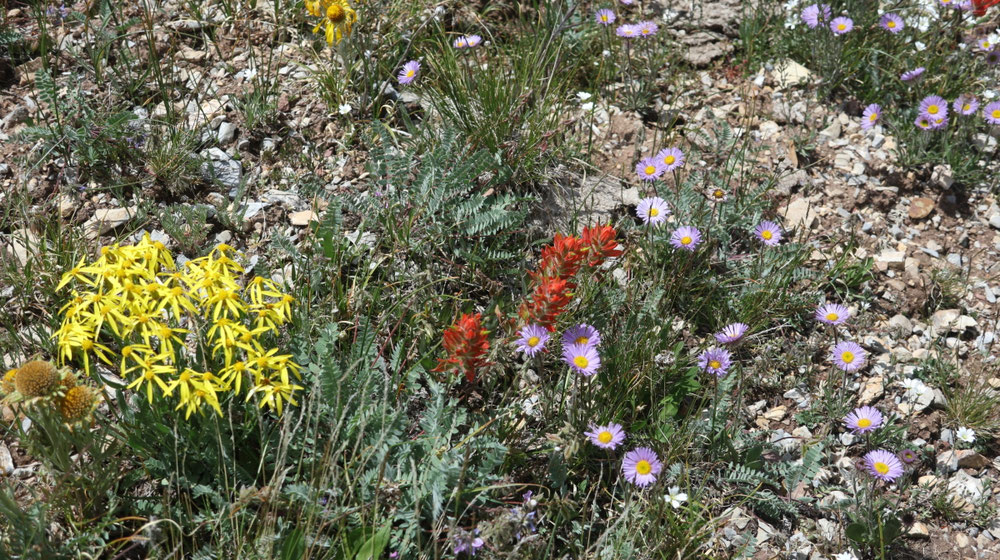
(338, 18)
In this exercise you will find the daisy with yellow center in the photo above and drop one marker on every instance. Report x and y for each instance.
(609, 436)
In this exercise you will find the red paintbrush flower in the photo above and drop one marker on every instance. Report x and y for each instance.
(547, 301)
(600, 242)
(466, 344)
(562, 258)
(979, 6)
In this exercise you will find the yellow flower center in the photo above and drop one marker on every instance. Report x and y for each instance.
(932, 109)
(841, 27)
(533, 341)
(966, 107)
(581, 362)
(335, 13)
(891, 24)
(582, 340)
(864, 423)
(766, 234)
(882, 468)
(650, 169)
(996, 113)
(643, 467)
(669, 160)
(686, 240)
(604, 437)
(653, 212)
(874, 117)
(715, 364)
(604, 17)
(847, 357)
(832, 316)
(717, 193)
(410, 73)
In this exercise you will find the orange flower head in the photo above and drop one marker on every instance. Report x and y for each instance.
(466, 344)
(600, 242)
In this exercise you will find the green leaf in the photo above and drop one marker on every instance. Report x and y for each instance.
(857, 532)
(293, 547)
(373, 547)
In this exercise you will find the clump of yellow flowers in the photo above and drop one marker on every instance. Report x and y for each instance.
(189, 333)
(337, 18)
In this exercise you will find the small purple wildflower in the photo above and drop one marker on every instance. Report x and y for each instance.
(409, 72)
(606, 437)
(911, 75)
(686, 237)
(816, 13)
(731, 334)
(993, 57)
(641, 465)
(583, 358)
(883, 465)
(992, 112)
(841, 25)
(848, 356)
(582, 334)
(768, 232)
(966, 104)
(670, 158)
(715, 361)
(533, 339)
(648, 169)
(908, 456)
(605, 17)
(467, 542)
(473, 40)
(934, 107)
(652, 210)
(871, 116)
(647, 28)
(832, 314)
(892, 23)
(923, 123)
(863, 420)
(627, 31)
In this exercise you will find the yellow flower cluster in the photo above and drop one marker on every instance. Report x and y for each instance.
(337, 18)
(191, 333)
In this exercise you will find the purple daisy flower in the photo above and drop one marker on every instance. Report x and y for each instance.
(467, 542)
(627, 31)
(992, 112)
(993, 57)
(461, 42)
(923, 123)
(883, 465)
(731, 334)
(871, 116)
(848, 356)
(582, 334)
(832, 314)
(934, 107)
(583, 358)
(409, 72)
(939, 123)
(863, 420)
(647, 28)
(768, 232)
(966, 104)
(715, 361)
(891, 23)
(686, 237)
(908, 456)
(533, 339)
(649, 169)
(652, 210)
(670, 158)
(911, 75)
(841, 25)
(605, 16)
(641, 465)
(473, 40)
(606, 437)
(627, 2)
(816, 13)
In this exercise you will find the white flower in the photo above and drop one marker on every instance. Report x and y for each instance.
(583, 95)
(605, 53)
(920, 46)
(676, 498)
(915, 388)
(845, 556)
(587, 106)
(345, 108)
(989, 94)
(966, 435)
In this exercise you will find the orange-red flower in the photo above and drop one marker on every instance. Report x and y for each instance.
(601, 244)
(466, 344)
(562, 259)
(549, 298)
